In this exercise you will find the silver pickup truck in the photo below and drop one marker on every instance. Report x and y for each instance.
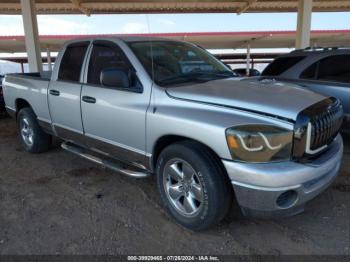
(144, 106)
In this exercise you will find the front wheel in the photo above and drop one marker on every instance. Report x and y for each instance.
(32, 137)
(193, 186)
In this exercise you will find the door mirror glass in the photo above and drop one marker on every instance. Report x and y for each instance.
(112, 77)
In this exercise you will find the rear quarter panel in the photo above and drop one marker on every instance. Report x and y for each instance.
(31, 89)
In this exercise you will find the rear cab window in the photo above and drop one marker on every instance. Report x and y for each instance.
(281, 65)
(72, 62)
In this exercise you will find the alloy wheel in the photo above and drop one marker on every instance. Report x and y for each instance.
(183, 187)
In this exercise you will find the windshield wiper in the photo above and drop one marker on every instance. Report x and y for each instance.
(201, 76)
(223, 73)
(183, 78)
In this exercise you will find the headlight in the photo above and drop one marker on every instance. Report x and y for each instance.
(259, 143)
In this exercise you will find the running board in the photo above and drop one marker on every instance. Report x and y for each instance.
(104, 161)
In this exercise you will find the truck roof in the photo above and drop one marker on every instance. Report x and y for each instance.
(123, 38)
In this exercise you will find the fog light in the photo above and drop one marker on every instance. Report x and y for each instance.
(287, 199)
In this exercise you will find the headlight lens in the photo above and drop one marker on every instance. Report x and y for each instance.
(259, 143)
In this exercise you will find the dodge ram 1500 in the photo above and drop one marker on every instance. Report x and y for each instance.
(144, 106)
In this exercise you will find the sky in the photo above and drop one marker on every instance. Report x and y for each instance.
(168, 23)
(164, 23)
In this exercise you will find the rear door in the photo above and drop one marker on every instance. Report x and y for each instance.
(114, 118)
(64, 93)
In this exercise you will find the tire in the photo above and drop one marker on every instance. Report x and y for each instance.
(193, 208)
(32, 137)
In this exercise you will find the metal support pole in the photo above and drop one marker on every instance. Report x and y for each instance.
(304, 24)
(31, 35)
(48, 56)
(252, 63)
(248, 60)
(22, 68)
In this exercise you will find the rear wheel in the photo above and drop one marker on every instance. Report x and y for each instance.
(193, 186)
(32, 137)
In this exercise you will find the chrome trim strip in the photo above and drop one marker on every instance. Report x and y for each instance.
(44, 120)
(115, 144)
(270, 189)
(67, 128)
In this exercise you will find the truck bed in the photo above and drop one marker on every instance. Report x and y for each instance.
(31, 88)
(46, 75)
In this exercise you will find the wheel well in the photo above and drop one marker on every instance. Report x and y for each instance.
(21, 103)
(165, 141)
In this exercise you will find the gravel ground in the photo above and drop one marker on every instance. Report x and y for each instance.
(57, 203)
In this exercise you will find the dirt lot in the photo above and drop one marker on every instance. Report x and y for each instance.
(57, 203)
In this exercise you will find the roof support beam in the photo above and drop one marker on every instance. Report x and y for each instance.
(304, 24)
(248, 61)
(48, 57)
(246, 7)
(77, 4)
(31, 35)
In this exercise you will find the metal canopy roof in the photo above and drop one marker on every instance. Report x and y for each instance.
(209, 40)
(158, 6)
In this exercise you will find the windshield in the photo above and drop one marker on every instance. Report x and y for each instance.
(178, 62)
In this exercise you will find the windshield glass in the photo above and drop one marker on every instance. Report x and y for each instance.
(178, 62)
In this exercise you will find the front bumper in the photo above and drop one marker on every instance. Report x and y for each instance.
(258, 187)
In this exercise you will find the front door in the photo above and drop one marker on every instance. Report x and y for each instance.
(114, 118)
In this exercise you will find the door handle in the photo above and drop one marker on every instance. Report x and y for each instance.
(89, 99)
(54, 92)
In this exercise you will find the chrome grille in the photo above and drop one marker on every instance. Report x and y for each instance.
(325, 126)
(315, 128)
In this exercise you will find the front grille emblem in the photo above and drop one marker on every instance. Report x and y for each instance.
(299, 132)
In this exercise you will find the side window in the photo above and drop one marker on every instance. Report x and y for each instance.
(310, 72)
(335, 68)
(105, 57)
(72, 62)
(281, 64)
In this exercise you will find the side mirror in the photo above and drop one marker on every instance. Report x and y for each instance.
(112, 77)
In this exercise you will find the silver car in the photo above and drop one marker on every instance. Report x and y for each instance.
(149, 106)
(322, 70)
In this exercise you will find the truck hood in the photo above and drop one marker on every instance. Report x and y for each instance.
(265, 97)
